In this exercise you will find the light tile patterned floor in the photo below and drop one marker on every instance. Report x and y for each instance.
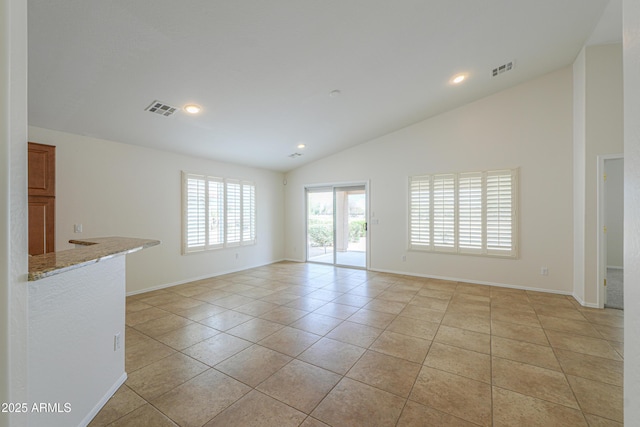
(310, 345)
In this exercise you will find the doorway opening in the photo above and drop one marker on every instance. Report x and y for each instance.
(337, 225)
(611, 236)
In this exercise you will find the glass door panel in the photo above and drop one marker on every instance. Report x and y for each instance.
(320, 229)
(351, 226)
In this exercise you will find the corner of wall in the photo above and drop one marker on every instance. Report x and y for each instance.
(13, 196)
(631, 53)
(579, 185)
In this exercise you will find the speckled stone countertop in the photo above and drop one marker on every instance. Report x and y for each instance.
(92, 251)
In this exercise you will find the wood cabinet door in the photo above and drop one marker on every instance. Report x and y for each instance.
(42, 170)
(41, 224)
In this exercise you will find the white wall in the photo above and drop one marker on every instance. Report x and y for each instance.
(116, 189)
(13, 206)
(614, 207)
(597, 124)
(528, 126)
(604, 135)
(5, 204)
(631, 23)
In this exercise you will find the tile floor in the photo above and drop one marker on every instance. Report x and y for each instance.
(310, 345)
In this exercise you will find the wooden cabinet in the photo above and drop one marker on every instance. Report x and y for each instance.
(42, 198)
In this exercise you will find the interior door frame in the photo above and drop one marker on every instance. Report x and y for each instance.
(333, 187)
(601, 241)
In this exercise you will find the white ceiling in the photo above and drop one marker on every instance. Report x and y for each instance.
(263, 70)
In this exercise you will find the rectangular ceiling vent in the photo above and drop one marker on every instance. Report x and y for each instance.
(160, 108)
(502, 69)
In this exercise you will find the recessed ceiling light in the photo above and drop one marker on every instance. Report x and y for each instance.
(192, 108)
(458, 78)
(301, 146)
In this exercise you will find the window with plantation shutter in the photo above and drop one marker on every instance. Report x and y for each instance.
(217, 213)
(470, 212)
(444, 212)
(233, 213)
(466, 213)
(196, 212)
(248, 213)
(500, 212)
(420, 221)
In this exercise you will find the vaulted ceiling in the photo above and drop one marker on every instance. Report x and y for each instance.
(266, 72)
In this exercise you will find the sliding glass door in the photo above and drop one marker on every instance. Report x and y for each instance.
(337, 225)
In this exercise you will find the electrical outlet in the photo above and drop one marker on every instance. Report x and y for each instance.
(117, 342)
(77, 228)
(404, 258)
(544, 271)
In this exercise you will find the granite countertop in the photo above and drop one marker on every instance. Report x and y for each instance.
(92, 251)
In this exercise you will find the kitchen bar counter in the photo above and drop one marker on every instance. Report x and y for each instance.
(75, 340)
(87, 252)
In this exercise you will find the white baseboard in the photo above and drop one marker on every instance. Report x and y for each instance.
(476, 282)
(194, 279)
(103, 401)
(583, 303)
(501, 285)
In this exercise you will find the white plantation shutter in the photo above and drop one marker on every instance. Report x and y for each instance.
(234, 213)
(217, 213)
(195, 211)
(419, 212)
(470, 212)
(444, 211)
(248, 213)
(500, 212)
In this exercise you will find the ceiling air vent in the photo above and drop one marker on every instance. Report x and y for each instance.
(160, 108)
(502, 69)
(294, 155)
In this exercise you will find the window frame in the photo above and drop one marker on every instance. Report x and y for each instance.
(242, 213)
(471, 219)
